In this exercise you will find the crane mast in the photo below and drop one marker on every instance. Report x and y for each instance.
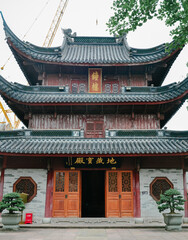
(55, 23)
(6, 115)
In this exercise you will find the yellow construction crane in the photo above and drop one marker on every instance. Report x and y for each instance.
(55, 23)
(5, 113)
(47, 43)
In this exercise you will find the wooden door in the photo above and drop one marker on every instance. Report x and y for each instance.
(119, 194)
(66, 194)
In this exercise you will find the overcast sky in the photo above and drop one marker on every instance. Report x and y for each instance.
(86, 18)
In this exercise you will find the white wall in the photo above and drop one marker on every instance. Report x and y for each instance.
(148, 204)
(37, 205)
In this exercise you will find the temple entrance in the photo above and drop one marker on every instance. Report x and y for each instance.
(93, 194)
(119, 197)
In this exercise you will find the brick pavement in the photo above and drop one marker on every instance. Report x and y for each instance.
(93, 234)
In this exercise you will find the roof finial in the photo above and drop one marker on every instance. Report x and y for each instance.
(68, 34)
(2, 17)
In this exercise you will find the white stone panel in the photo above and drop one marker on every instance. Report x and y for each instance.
(37, 205)
(148, 204)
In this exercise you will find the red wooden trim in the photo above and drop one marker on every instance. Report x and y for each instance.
(30, 197)
(2, 183)
(134, 194)
(137, 178)
(185, 193)
(95, 155)
(49, 194)
(136, 186)
(2, 176)
(156, 179)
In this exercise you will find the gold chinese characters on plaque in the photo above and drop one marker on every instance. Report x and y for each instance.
(95, 80)
(93, 162)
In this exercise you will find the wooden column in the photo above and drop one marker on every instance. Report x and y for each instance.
(185, 193)
(49, 194)
(2, 176)
(137, 212)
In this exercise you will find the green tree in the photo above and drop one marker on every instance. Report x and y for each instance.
(172, 200)
(12, 202)
(130, 14)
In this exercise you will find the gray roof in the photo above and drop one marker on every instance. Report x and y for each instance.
(54, 94)
(133, 142)
(89, 50)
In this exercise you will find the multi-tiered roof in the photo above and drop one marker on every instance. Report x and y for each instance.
(80, 53)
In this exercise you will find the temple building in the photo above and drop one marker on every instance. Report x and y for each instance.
(94, 143)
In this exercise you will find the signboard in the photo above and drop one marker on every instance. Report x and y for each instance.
(95, 80)
(93, 162)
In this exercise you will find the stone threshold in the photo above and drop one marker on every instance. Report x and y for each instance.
(98, 223)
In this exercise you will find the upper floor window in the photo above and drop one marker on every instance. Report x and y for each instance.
(95, 129)
(111, 87)
(78, 86)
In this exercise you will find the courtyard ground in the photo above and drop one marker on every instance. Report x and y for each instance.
(93, 234)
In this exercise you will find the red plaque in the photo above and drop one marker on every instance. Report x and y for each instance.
(95, 80)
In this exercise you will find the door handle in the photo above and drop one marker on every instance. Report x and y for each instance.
(66, 196)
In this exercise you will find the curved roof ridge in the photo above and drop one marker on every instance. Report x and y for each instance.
(117, 48)
(146, 51)
(25, 44)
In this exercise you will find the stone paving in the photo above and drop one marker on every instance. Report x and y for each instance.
(93, 234)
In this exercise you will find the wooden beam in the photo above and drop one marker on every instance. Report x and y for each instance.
(129, 76)
(132, 113)
(27, 63)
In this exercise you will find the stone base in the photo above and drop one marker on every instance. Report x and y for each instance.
(139, 220)
(11, 221)
(173, 221)
(46, 220)
(11, 227)
(173, 228)
(185, 220)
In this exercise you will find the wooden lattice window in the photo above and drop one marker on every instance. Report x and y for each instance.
(26, 185)
(60, 182)
(73, 182)
(112, 179)
(158, 186)
(126, 182)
